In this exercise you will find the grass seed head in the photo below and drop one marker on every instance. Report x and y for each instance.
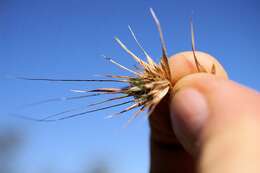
(146, 87)
(151, 85)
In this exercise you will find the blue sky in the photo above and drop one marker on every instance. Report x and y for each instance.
(64, 39)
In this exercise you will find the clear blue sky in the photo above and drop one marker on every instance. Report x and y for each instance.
(64, 39)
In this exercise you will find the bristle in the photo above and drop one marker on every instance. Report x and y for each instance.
(157, 22)
(25, 117)
(58, 114)
(91, 111)
(141, 62)
(135, 105)
(69, 80)
(118, 76)
(213, 69)
(134, 116)
(121, 66)
(148, 57)
(59, 99)
(101, 90)
(50, 117)
(130, 108)
(199, 67)
(166, 67)
(193, 46)
(108, 100)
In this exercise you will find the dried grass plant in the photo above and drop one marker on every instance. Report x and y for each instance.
(145, 87)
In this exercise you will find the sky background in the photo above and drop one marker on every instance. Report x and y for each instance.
(64, 39)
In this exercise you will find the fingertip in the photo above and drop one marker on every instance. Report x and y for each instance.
(188, 113)
(183, 64)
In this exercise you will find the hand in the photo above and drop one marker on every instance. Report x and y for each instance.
(208, 123)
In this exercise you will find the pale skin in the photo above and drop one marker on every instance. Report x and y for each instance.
(207, 124)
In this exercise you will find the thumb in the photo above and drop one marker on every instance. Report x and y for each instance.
(216, 116)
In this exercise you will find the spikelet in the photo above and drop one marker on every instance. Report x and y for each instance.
(146, 87)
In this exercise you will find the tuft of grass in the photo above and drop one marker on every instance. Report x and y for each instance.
(145, 87)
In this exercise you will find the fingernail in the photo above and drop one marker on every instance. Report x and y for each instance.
(188, 113)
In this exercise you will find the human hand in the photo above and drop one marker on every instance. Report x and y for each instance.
(217, 122)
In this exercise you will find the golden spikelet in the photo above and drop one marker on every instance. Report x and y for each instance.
(147, 87)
